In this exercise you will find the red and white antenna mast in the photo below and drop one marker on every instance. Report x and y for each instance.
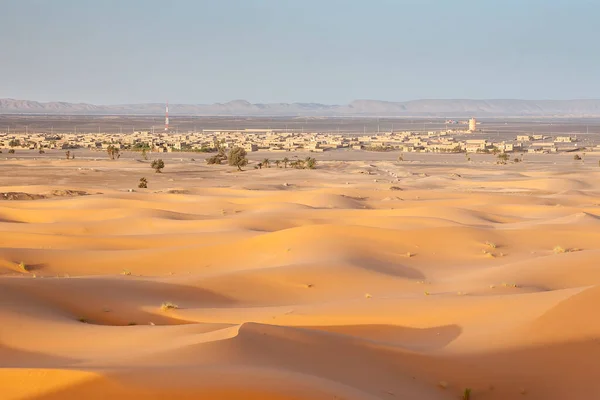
(167, 117)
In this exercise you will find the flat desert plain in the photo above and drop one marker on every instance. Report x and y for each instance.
(357, 280)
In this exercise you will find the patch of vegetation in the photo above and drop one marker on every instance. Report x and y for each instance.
(576, 157)
(488, 254)
(379, 148)
(167, 305)
(237, 158)
(216, 159)
(143, 183)
(11, 151)
(113, 152)
(559, 250)
(466, 394)
(503, 158)
(23, 267)
(158, 165)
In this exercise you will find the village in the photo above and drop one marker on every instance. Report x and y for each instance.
(282, 141)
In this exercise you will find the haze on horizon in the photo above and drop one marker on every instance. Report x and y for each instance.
(115, 52)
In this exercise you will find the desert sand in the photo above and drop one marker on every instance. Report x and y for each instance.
(357, 280)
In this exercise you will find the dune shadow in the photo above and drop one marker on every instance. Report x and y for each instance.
(16, 358)
(416, 339)
(393, 269)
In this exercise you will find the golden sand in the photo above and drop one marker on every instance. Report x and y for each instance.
(297, 284)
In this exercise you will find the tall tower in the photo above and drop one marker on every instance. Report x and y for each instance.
(167, 117)
(472, 125)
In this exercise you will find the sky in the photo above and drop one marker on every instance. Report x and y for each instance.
(323, 51)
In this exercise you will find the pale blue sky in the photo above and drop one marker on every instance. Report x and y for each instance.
(328, 51)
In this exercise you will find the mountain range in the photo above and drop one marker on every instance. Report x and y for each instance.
(365, 108)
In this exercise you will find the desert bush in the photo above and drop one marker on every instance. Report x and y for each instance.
(216, 159)
(285, 162)
(559, 250)
(167, 305)
(113, 152)
(11, 151)
(466, 394)
(503, 157)
(143, 183)
(157, 165)
(576, 157)
(311, 163)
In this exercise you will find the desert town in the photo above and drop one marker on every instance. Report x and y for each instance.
(280, 141)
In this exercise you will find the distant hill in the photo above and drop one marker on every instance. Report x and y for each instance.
(458, 108)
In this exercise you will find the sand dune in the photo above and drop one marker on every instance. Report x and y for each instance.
(411, 281)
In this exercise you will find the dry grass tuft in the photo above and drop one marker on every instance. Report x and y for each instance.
(167, 305)
(559, 250)
(488, 254)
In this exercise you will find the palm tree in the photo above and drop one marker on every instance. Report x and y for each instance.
(285, 162)
(277, 162)
(260, 165)
(266, 162)
(311, 163)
